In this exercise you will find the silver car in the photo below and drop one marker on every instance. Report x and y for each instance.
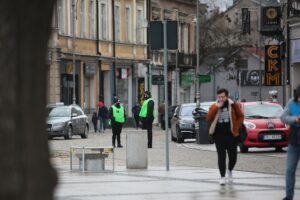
(67, 121)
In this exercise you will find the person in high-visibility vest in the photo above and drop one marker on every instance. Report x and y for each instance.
(147, 115)
(117, 117)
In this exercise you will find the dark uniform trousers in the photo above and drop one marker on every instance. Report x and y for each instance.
(116, 130)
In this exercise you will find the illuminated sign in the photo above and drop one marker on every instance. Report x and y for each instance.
(272, 65)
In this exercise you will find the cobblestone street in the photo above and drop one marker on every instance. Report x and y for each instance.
(188, 154)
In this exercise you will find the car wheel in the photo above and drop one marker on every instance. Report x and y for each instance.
(243, 148)
(179, 135)
(69, 133)
(86, 132)
(278, 149)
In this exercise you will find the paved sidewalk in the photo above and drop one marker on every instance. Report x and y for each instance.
(158, 184)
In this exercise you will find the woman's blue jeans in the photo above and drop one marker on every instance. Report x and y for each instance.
(293, 156)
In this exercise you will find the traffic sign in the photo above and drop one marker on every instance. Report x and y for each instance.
(204, 78)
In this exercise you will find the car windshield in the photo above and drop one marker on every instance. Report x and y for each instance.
(263, 111)
(187, 110)
(60, 112)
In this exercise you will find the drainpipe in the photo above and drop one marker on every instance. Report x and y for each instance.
(114, 92)
(101, 82)
(148, 42)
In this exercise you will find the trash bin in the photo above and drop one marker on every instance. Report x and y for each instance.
(203, 131)
(137, 149)
(201, 127)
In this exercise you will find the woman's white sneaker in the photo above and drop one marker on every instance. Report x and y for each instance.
(229, 177)
(222, 181)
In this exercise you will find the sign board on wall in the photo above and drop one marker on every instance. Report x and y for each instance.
(141, 90)
(251, 77)
(158, 79)
(295, 51)
(272, 65)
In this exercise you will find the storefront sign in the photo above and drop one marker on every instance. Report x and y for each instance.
(295, 58)
(187, 79)
(90, 70)
(141, 90)
(124, 73)
(69, 68)
(272, 65)
(251, 77)
(158, 79)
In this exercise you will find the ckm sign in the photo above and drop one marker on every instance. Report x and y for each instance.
(272, 65)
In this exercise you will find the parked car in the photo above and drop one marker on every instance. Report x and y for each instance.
(49, 107)
(183, 123)
(171, 110)
(66, 121)
(262, 126)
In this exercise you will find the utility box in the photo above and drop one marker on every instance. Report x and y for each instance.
(137, 149)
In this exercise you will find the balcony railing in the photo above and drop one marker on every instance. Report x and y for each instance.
(293, 8)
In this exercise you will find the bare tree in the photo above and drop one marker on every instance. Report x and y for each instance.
(25, 169)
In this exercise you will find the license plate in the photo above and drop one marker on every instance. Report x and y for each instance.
(272, 137)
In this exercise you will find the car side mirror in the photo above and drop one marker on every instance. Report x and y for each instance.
(74, 115)
(175, 115)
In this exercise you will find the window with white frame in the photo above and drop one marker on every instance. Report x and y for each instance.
(117, 22)
(61, 17)
(92, 19)
(128, 24)
(103, 21)
(139, 30)
(82, 18)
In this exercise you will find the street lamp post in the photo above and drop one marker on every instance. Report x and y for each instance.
(198, 58)
(73, 49)
(197, 88)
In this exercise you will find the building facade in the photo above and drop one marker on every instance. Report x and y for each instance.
(240, 54)
(293, 41)
(96, 50)
(181, 62)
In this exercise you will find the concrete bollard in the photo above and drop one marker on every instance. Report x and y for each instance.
(137, 149)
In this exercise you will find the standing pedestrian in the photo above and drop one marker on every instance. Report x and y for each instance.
(95, 121)
(147, 115)
(291, 116)
(136, 111)
(117, 117)
(225, 119)
(102, 115)
(161, 111)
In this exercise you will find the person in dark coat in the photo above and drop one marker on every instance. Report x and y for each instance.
(136, 111)
(95, 121)
(102, 115)
(147, 116)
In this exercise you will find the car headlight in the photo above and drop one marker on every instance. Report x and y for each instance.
(58, 125)
(249, 125)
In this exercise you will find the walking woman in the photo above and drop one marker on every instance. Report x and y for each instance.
(225, 119)
(291, 116)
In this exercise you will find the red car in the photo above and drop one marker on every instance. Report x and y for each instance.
(262, 126)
